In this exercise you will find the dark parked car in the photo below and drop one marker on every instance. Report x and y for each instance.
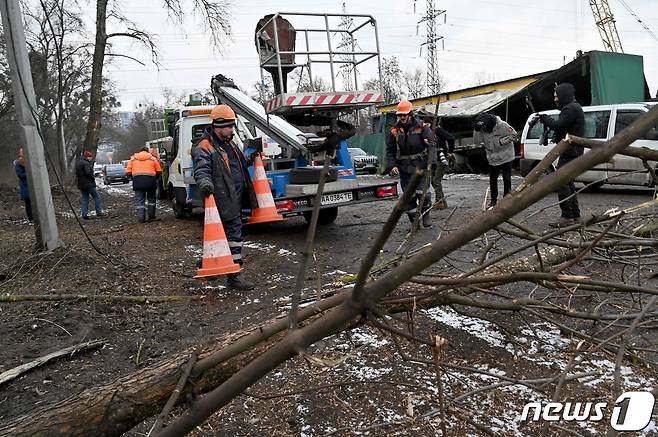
(115, 173)
(363, 161)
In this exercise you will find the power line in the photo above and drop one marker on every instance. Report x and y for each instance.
(628, 8)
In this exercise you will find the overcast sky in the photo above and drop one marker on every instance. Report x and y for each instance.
(483, 39)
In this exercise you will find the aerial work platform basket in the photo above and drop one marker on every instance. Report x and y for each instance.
(341, 36)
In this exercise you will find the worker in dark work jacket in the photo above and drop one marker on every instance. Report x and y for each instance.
(408, 148)
(571, 121)
(144, 169)
(220, 170)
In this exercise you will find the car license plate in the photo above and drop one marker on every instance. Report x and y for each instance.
(330, 199)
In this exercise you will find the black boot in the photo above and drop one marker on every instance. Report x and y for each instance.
(235, 282)
(412, 216)
(427, 220)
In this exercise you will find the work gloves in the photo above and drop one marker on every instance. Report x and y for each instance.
(206, 188)
(443, 158)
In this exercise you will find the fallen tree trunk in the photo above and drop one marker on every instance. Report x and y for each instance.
(115, 408)
(97, 298)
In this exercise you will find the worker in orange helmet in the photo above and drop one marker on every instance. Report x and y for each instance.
(408, 148)
(144, 169)
(220, 170)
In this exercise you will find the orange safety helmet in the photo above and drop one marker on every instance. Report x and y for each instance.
(222, 115)
(404, 107)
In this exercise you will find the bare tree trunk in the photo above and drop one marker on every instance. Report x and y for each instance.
(113, 409)
(96, 89)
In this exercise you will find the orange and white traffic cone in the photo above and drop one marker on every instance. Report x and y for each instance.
(266, 211)
(217, 258)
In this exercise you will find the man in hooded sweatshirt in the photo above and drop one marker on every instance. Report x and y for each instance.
(498, 138)
(571, 121)
(144, 169)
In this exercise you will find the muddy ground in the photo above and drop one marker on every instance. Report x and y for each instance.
(382, 394)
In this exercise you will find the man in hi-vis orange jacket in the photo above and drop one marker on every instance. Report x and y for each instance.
(144, 169)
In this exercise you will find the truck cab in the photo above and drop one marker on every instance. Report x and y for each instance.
(293, 175)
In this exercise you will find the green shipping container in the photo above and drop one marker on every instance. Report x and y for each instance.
(616, 78)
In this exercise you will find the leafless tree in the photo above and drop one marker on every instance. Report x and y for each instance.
(59, 67)
(482, 78)
(391, 80)
(303, 84)
(415, 84)
(216, 15)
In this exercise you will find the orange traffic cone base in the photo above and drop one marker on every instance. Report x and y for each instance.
(266, 211)
(216, 258)
(262, 215)
(217, 271)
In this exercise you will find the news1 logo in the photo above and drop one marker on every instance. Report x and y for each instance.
(631, 412)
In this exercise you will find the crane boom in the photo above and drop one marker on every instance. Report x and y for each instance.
(606, 25)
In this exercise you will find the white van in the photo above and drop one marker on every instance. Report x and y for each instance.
(601, 123)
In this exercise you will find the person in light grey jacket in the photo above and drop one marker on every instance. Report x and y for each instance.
(498, 139)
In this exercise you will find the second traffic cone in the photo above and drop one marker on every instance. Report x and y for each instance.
(217, 258)
(266, 211)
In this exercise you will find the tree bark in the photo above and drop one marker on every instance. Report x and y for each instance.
(113, 409)
(96, 87)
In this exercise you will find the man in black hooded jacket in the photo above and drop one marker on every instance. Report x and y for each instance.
(571, 121)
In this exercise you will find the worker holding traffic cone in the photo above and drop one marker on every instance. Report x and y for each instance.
(266, 211)
(217, 257)
(220, 172)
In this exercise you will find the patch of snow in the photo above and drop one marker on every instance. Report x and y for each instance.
(280, 277)
(124, 190)
(471, 177)
(364, 338)
(267, 248)
(196, 250)
(367, 372)
(478, 328)
(335, 273)
(650, 428)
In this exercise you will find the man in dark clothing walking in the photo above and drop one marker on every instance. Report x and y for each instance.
(21, 173)
(220, 169)
(571, 121)
(84, 173)
(445, 147)
(408, 148)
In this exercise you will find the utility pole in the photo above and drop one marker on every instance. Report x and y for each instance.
(347, 44)
(431, 14)
(45, 226)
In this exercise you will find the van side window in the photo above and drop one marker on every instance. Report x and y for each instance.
(596, 124)
(626, 118)
(535, 132)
